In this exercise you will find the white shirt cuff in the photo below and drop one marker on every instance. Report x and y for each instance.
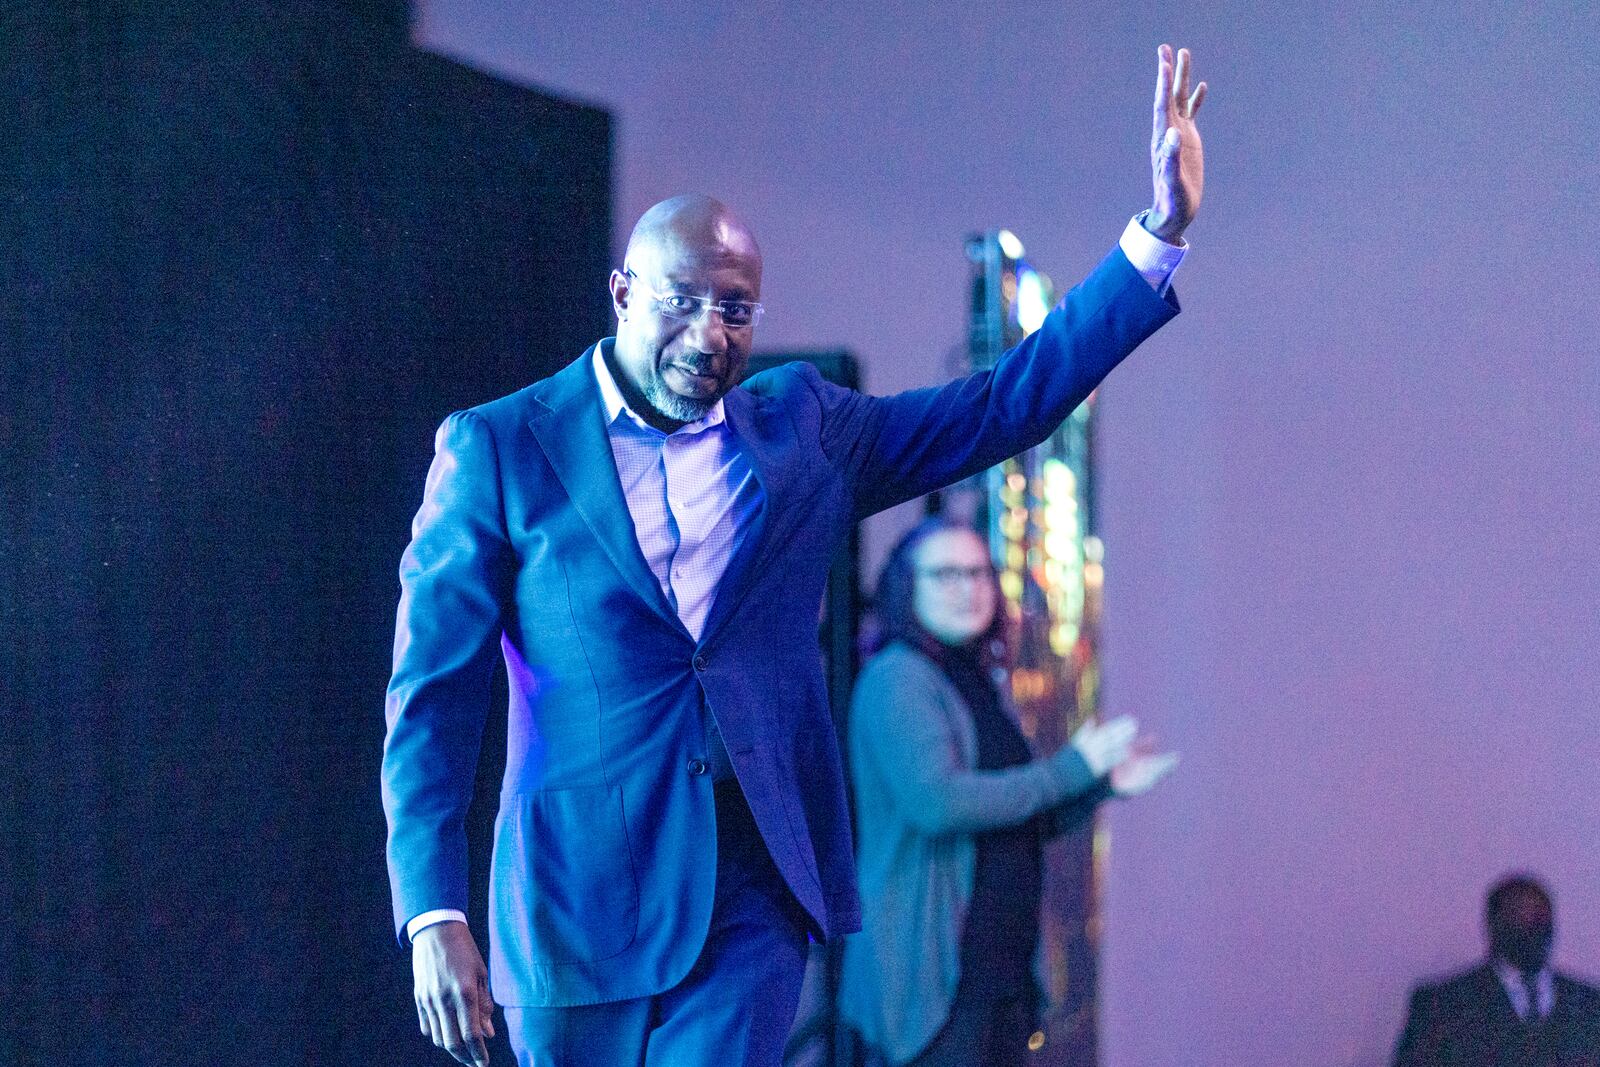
(1150, 255)
(428, 918)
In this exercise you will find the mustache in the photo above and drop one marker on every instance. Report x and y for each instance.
(697, 362)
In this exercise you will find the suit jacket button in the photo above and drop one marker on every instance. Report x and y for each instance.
(697, 767)
(700, 663)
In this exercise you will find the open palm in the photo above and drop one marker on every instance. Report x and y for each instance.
(1177, 158)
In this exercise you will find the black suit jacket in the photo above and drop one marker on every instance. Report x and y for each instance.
(1468, 1021)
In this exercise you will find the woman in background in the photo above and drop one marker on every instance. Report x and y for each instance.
(953, 810)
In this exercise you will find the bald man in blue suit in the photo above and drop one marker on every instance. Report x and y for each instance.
(646, 546)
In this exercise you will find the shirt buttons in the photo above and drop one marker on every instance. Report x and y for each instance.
(697, 767)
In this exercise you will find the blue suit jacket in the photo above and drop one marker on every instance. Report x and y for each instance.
(605, 844)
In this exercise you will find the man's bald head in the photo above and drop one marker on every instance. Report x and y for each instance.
(691, 266)
(694, 226)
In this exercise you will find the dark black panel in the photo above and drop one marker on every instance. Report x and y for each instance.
(249, 257)
(816, 1037)
(842, 609)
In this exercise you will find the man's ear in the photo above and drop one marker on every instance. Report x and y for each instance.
(621, 290)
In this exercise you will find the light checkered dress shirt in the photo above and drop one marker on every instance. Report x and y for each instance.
(691, 495)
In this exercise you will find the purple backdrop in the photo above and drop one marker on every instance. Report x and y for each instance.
(1349, 497)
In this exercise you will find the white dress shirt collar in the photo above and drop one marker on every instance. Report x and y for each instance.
(615, 405)
(1516, 987)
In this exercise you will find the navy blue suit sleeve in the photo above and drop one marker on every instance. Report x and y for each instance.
(452, 577)
(892, 449)
(1419, 1041)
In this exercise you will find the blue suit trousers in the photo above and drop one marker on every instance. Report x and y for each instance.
(735, 1006)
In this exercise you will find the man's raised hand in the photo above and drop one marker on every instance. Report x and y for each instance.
(1177, 160)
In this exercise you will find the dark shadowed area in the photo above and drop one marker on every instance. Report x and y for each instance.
(251, 257)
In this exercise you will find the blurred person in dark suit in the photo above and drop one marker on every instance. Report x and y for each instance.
(1513, 1010)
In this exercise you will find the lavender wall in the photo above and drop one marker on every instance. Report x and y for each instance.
(1350, 496)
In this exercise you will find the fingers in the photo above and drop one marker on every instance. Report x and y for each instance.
(1156, 768)
(468, 1018)
(1175, 101)
(1161, 766)
(454, 1016)
(1118, 734)
(1173, 94)
(435, 1031)
(1118, 731)
(1141, 773)
(449, 1036)
(457, 1021)
(485, 1006)
(1163, 94)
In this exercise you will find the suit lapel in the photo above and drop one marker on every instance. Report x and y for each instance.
(1562, 1011)
(1494, 992)
(571, 429)
(764, 442)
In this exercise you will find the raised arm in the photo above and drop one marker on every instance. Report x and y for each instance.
(895, 448)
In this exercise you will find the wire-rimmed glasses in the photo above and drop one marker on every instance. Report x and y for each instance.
(739, 314)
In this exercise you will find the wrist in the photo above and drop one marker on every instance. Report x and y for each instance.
(1162, 227)
(1072, 770)
(433, 925)
(1094, 757)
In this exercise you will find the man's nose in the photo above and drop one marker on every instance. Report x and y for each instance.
(707, 332)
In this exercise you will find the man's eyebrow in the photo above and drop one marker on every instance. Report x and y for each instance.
(695, 286)
(685, 284)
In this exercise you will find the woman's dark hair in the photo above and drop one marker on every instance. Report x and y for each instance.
(894, 601)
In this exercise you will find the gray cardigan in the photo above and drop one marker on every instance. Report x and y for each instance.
(918, 804)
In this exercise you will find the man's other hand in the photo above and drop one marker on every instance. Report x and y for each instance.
(452, 991)
(1177, 160)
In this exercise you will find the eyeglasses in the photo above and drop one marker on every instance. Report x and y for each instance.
(739, 314)
(951, 575)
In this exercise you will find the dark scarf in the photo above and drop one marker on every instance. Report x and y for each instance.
(1002, 927)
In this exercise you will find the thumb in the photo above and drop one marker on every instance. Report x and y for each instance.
(1171, 142)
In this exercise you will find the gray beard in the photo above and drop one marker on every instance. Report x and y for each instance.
(676, 406)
